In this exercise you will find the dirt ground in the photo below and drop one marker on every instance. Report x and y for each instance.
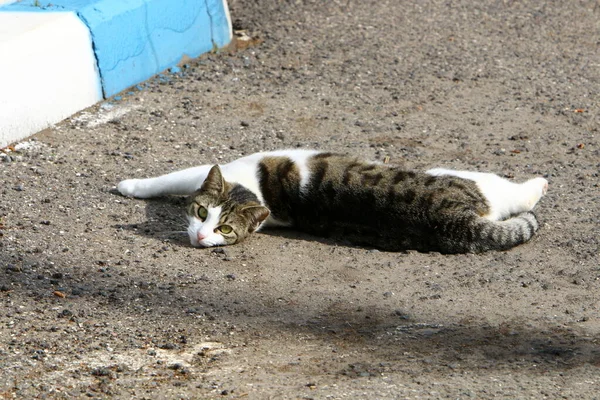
(102, 297)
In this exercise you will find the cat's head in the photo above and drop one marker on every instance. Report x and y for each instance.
(221, 213)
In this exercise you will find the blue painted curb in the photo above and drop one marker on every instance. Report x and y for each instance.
(136, 39)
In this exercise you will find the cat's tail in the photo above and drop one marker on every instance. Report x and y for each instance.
(503, 235)
(484, 234)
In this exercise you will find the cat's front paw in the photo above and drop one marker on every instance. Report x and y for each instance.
(129, 188)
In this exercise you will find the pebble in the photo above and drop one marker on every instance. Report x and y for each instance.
(219, 250)
(102, 371)
(13, 268)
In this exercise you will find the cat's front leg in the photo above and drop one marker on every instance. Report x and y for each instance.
(140, 188)
(183, 182)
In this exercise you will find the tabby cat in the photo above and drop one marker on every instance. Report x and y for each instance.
(365, 203)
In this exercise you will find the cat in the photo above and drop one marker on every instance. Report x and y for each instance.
(364, 203)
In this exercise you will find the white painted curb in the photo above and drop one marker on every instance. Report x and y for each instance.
(47, 71)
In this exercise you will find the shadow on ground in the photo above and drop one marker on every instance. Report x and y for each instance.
(393, 338)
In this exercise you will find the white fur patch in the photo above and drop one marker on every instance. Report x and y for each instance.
(300, 158)
(244, 170)
(206, 228)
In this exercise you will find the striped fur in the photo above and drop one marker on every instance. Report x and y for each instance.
(362, 202)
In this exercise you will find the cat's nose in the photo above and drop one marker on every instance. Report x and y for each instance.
(200, 236)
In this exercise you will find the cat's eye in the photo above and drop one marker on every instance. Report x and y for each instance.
(225, 229)
(202, 213)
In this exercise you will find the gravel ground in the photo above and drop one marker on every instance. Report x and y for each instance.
(102, 296)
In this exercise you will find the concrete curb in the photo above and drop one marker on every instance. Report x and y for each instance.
(59, 57)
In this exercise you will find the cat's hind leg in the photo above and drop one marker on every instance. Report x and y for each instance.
(508, 198)
(183, 182)
(505, 198)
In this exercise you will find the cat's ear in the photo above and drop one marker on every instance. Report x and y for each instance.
(256, 215)
(214, 182)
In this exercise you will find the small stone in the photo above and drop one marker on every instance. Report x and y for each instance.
(13, 268)
(101, 371)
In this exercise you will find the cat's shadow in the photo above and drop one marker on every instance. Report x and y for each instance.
(166, 221)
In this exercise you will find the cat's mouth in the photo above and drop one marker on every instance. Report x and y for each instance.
(196, 243)
(205, 245)
(202, 243)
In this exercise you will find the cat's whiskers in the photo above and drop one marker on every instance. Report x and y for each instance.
(168, 234)
(180, 220)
